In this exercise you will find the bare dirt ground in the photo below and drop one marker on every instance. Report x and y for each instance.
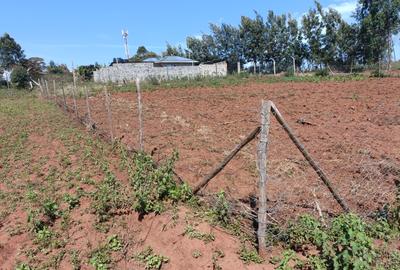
(353, 132)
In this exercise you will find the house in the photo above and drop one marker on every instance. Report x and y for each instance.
(171, 61)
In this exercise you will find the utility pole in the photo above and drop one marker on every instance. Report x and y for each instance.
(125, 37)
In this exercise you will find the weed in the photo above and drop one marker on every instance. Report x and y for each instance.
(219, 212)
(249, 255)
(289, 258)
(75, 260)
(192, 233)
(100, 259)
(50, 209)
(72, 201)
(114, 243)
(150, 259)
(196, 254)
(23, 266)
(107, 197)
(216, 255)
(154, 185)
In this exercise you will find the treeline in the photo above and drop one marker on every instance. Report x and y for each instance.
(321, 39)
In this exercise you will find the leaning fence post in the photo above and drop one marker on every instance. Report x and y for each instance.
(139, 97)
(47, 89)
(109, 113)
(309, 159)
(262, 167)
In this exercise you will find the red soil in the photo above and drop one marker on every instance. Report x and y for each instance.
(354, 136)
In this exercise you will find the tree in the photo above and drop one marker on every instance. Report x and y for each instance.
(312, 30)
(20, 77)
(252, 34)
(53, 68)
(86, 72)
(202, 49)
(228, 44)
(378, 20)
(11, 53)
(174, 51)
(141, 54)
(35, 67)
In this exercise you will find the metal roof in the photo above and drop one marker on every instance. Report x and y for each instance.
(176, 59)
(151, 60)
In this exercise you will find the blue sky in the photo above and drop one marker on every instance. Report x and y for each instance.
(85, 32)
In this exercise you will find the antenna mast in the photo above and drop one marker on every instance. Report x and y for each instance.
(125, 37)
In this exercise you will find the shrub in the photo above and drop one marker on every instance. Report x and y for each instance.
(150, 259)
(154, 185)
(20, 77)
(322, 72)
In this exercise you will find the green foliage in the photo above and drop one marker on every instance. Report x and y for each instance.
(219, 211)
(72, 201)
(150, 259)
(86, 72)
(53, 68)
(141, 54)
(173, 51)
(11, 52)
(249, 255)
(322, 72)
(19, 77)
(192, 233)
(351, 246)
(153, 185)
(114, 243)
(50, 209)
(23, 266)
(306, 231)
(108, 196)
(100, 259)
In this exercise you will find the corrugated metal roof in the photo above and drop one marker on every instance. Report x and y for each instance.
(151, 60)
(176, 59)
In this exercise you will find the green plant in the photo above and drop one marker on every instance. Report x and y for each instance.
(196, 254)
(219, 211)
(114, 243)
(192, 233)
(322, 72)
(306, 230)
(72, 201)
(100, 259)
(249, 255)
(150, 259)
(153, 185)
(288, 257)
(23, 266)
(107, 196)
(20, 77)
(351, 247)
(50, 209)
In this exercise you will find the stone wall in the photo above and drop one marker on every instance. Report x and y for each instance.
(143, 71)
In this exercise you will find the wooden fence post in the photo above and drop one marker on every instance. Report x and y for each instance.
(109, 113)
(139, 97)
(310, 160)
(74, 97)
(64, 99)
(47, 89)
(54, 90)
(262, 167)
(87, 106)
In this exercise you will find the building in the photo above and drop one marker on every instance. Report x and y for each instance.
(171, 61)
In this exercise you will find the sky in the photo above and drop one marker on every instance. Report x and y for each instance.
(85, 32)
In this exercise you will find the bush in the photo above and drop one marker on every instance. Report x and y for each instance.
(322, 72)
(20, 77)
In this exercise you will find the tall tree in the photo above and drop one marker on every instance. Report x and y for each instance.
(252, 34)
(379, 20)
(141, 54)
(11, 52)
(228, 44)
(202, 49)
(312, 30)
(174, 51)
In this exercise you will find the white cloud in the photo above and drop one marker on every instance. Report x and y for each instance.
(345, 8)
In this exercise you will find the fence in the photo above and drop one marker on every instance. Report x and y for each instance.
(144, 71)
(283, 193)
